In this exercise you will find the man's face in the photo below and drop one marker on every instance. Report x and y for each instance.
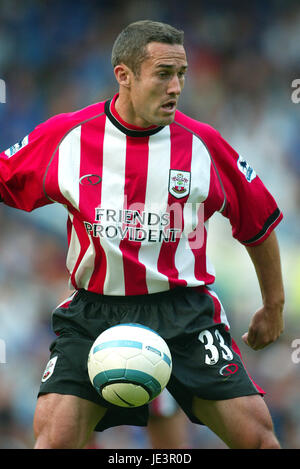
(155, 92)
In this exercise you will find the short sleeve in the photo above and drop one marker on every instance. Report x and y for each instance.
(249, 206)
(23, 166)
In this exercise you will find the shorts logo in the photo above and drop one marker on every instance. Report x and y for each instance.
(229, 369)
(246, 169)
(179, 183)
(49, 369)
(16, 147)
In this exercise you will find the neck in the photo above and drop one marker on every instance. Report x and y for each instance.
(125, 109)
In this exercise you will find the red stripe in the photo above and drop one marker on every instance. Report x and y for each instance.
(84, 244)
(200, 269)
(137, 152)
(181, 157)
(69, 230)
(217, 305)
(92, 138)
(215, 198)
(237, 350)
(217, 319)
(198, 249)
(51, 182)
(66, 304)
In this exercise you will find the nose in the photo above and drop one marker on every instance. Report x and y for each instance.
(175, 86)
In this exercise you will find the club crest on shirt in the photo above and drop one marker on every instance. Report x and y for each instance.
(179, 183)
(246, 169)
(49, 369)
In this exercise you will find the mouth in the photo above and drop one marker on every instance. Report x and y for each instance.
(170, 106)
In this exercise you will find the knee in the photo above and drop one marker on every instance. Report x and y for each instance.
(50, 437)
(263, 436)
(45, 442)
(51, 432)
(268, 441)
(256, 439)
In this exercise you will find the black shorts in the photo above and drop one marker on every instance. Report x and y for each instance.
(206, 361)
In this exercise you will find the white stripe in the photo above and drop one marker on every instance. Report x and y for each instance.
(200, 169)
(210, 268)
(66, 300)
(112, 197)
(200, 181)
(69, 166)
(74, 248)
(223, 316)
(86, 267)
(156, 200)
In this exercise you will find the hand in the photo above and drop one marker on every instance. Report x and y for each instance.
(265, 327)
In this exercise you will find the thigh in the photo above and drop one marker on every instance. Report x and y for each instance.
(167, 426)
(64, 421)
(242, 422)
(169, 432)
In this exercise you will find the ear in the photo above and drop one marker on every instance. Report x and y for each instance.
(123, 75)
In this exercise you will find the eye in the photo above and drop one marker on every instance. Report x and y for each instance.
(163, 74)
(181, 74)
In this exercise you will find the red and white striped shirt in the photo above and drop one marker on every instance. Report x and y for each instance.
(138, 200)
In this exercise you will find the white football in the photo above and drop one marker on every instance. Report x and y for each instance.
(129, 365)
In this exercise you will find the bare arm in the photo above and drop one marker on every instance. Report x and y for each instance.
(267, 323)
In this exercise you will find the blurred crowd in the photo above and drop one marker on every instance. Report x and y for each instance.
(55, 57)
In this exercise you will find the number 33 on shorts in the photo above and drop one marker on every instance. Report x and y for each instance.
(214, 344)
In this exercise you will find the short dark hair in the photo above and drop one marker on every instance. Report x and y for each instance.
(130, 45)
